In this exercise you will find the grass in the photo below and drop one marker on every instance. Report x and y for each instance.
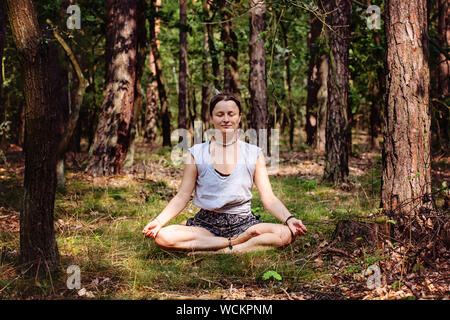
(98, 228)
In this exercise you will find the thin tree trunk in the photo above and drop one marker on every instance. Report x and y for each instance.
(257, 76)
(292, 113)
(406, 148)
(164, 113)
(322, 100)
(313, 79)
(151, 112)
(229, 39)
(138, 96)
(183, 90)
(214, 53)
(444, 40)
(112, 136)
(336, 162)
(3, 22)
(205, 78)
(380, 89)
(37, 237)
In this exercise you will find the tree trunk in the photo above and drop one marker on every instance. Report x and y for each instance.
(151, 111)
(444, 40)
(138, 96)
(379, 90)
(214, 53)
(336, 162)
(406, 148)
(112, 137)
(183, 90)
(37, 237)
(3, 21)
(164, 113)
(257, 77)
(229, 39)
(322, 100)
(292, 112)
(313, 80)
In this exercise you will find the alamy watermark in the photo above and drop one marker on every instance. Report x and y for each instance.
(373, 19)
(74, 280)
(74, 21)
(374, 277)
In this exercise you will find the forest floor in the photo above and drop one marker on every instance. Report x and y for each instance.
(98, 223)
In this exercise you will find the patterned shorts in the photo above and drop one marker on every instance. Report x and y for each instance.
(223, 224)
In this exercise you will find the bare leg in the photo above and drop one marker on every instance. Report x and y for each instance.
(179, 237)
(262, 236)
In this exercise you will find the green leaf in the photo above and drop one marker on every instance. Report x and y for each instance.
(391, 221)
(271, 273)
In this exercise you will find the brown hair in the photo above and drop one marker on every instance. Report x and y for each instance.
(224, 96)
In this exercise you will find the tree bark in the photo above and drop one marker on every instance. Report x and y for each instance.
(164, 111)
(378, 90)
(214, 53)
(229, 39)
(3, 21)
(406, 131)
(292, 111)
(444, 40)
(313, 79)
(183, 90)
(322, 100)
(142, 53)
(37, 237)
(112, 136)
(336, 162)
(151, 111)
(257, 77)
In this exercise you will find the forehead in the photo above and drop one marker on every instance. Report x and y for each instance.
(226, 106)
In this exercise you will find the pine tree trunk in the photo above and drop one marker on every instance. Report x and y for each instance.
(214, 53)
(205, 78)
(406, 131)
(444, 40)
(292, 112)
(164, 111)
(322, 100)
(3, 22)
(183, 90)
(37, 237)
(151, 111)
(378, 95)
(313, 80)
(229, 39)
(336, 163)
(257, 77)
(112, 137)
(138, 96)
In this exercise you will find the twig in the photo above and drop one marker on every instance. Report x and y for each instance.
(20, 275)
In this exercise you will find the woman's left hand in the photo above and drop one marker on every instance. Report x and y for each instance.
(296, 227)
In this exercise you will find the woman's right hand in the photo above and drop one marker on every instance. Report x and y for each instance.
(152, 229)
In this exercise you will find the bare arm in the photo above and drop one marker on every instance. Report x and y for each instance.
(270, 201)
(179, 202)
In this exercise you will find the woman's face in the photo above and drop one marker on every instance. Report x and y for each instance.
(226, 117)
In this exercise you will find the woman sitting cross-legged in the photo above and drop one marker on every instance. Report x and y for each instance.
(222, 171)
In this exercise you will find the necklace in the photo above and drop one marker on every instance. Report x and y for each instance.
(225, 144)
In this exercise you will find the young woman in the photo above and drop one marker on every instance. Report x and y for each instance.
(222, 172)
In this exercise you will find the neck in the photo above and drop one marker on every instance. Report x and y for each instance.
(225, 139)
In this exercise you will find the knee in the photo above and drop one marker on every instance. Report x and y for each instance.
(164, 239)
